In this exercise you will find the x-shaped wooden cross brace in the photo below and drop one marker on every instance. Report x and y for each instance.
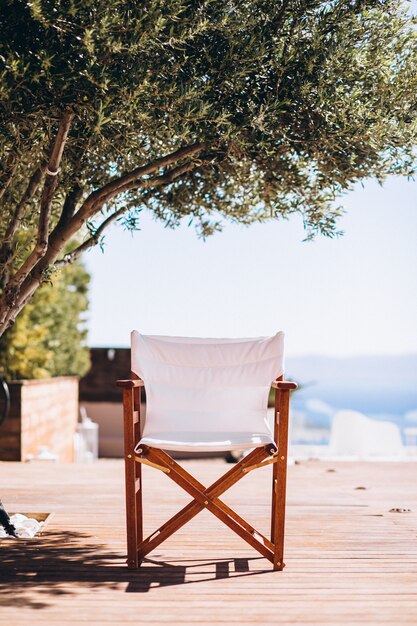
(208, 498)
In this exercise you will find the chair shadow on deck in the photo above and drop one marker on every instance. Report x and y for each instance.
(163, 574)
(55, 564)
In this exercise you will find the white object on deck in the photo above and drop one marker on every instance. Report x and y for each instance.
(207, 394)
(26, 527)
(86, 446)
(354, 434)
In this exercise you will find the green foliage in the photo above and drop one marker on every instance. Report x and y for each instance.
(296, 100)
(49, 336)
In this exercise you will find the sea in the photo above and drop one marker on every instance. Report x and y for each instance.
(381, 388)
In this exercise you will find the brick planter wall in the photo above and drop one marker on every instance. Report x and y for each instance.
(43, 413)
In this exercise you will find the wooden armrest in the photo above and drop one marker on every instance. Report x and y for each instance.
(284, 384)
(130, 384)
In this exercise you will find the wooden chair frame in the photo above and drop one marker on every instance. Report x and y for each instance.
(204, 498)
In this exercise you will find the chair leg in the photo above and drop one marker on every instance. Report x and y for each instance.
(275, 467)
(274, 500)
(138, 468)
(280, 479)
(130, 480)
(138, 496)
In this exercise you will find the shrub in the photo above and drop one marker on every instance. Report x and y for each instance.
(49, 336)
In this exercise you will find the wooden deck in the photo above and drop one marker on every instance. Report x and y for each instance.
(349, 560)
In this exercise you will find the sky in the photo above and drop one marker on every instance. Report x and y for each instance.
(353, 295)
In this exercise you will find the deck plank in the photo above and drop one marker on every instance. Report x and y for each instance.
(349, 560)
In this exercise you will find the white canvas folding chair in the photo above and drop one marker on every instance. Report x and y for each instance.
(205, 395)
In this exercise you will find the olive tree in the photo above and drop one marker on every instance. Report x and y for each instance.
(204, 109)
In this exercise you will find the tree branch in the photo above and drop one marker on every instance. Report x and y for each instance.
(51, 179)
(9, 170)
(91, 241)
(95, 201)
(12, 289)
(156, 181)
(70, 204)
(6, 248)
(118, 185)
(163, 179)
(8, 319)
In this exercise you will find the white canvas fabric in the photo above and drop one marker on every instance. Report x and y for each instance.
(206, 394)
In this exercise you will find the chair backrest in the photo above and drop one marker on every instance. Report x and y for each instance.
(206, 385)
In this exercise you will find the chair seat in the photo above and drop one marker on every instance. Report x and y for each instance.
(206, 442)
